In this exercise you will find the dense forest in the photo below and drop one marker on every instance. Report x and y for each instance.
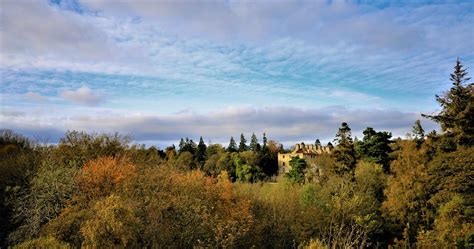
(101, 191)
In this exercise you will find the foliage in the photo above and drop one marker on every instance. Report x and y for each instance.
(457, 114)
(375, 147)
(345, 152)
(43, 242)
(419, 133)
(297, 171)
(243, 143)
(232, 145)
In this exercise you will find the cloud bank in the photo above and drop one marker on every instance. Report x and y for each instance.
(284, 124)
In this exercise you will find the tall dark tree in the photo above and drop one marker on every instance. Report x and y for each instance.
(375, 147)
(232, 145)
(457, 114)
(345, 152)
(181, 145)
(201, 152)
(317, 143)
(264, 147)
(243, 143)
(254, 145)
(418, 133)
(330, 146)
(189, 145)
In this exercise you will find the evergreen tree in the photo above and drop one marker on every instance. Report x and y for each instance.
(189, 145)
(181, 145)
(243, 143)
(345, 152)
(232, 145)
(418, 133)
(201, 152)
(330, 146)
(254, 145)
(457, 114)
(317, 143)
(297, 171)
(264, 147)
(375, 147)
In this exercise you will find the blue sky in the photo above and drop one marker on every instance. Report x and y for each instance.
(293, 69)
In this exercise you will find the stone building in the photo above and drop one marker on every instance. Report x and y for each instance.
(302, 151)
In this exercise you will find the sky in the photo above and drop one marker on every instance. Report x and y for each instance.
(159, 71)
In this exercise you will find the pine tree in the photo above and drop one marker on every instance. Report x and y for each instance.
(345, 152)
(232, 145)
(457, 114)
(254, 145)
(375, 147)
(418, 133)
(264, 147)
(201, 152)
(330, 146)
(317, 144)
(243, 143)
(181, 145)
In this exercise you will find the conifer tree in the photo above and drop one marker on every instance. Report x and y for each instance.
(232, 145)
(254, 145)
(457, 114)
(418, 133)
(201, 152)
(330, 146)
(345, 152)
(317, 143)
(243, 143)
(181, 145)
(264, 147)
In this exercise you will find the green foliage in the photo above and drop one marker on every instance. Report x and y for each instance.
(200, 154)
(246, 167)
(345, 152)
(243, 143)
(419, 133)
(232, 145)
(254, 145)
(457, 114)
(42, 200)
(297, 171)
(375, 147)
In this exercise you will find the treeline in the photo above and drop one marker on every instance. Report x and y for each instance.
(244, 163)
(95, 190)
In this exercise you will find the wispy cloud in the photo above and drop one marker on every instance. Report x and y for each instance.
(160, 58)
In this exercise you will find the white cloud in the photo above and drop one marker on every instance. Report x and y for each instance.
(34, 96)
(83, 95)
